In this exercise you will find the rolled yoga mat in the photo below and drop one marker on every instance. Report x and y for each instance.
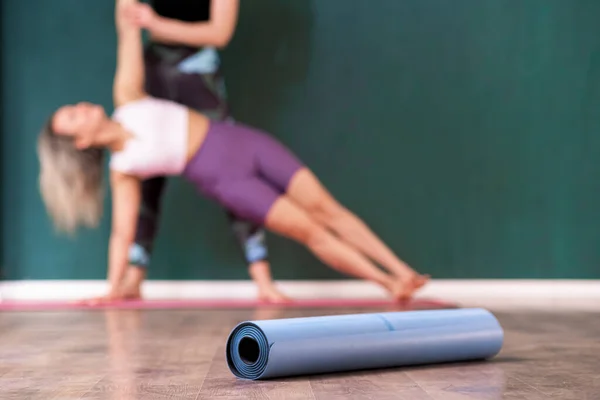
(316, 345)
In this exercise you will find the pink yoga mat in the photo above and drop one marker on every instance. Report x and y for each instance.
(421, 304)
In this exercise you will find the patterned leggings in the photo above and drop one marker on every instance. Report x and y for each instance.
(202, 91)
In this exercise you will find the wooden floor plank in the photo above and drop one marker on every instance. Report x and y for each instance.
(142, 354)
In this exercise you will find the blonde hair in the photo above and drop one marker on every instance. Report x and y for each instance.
(71, 181)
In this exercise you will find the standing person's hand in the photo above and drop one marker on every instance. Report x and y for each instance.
(141, 15)
(122, 21)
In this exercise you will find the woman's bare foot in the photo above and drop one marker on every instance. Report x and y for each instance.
(395, 287)
(420, 280)
(413, 284)
(403, 289)
(272, 295)
(399, 291)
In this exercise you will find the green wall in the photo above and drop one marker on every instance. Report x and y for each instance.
(465, 132)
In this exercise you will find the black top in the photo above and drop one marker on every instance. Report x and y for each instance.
(183, 10)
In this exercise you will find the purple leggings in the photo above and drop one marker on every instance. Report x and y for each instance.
(242, 168)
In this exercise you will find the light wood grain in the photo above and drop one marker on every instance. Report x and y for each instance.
(180, 355)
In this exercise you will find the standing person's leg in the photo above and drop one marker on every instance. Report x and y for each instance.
(147, 228)
(251, 238)
(206, 93)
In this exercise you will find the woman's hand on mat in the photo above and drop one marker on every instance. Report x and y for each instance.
(111, 296)
(141, 15)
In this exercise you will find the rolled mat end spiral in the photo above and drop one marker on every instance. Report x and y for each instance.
(247, 351)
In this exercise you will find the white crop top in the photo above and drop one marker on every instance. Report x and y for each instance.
(159, 145)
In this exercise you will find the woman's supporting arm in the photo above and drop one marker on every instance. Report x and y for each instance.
(128, 84)
(126, 192)
(216, 32)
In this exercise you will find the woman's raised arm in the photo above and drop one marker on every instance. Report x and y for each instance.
(128, 84)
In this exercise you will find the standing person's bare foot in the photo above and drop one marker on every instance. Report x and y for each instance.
(132, 287)
(131, 292)
(272, 295)
(260, 272)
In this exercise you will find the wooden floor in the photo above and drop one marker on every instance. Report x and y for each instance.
(180, 355)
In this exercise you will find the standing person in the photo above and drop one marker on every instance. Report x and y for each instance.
(183, 65)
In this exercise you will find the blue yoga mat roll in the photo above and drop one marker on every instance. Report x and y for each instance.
(316, 345)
